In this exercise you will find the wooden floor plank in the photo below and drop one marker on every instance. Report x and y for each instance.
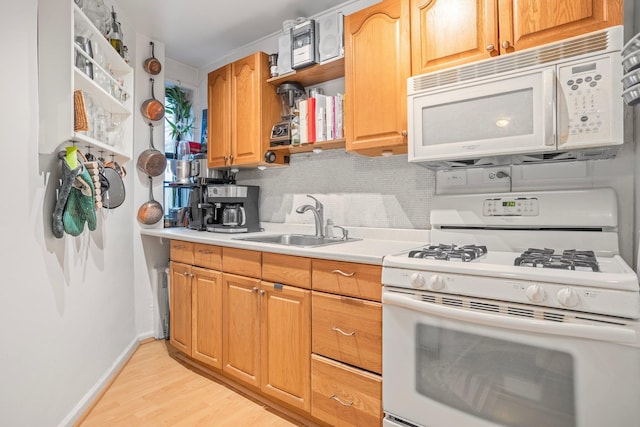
(153, 389)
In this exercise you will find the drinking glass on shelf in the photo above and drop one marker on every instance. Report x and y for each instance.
(183, 151)
(98, 55)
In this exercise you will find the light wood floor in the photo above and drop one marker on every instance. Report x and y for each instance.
(156, 390)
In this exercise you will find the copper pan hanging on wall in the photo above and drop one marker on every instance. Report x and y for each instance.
(152, 65)
(152, 109)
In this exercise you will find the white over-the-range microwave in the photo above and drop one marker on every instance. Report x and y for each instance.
(560, 101)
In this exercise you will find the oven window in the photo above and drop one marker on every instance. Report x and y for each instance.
(503, 115)
(501, 381)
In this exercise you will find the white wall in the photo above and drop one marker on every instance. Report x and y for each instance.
(66, 305)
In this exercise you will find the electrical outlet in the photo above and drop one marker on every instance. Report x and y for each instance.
(495, 175)
(451, 178)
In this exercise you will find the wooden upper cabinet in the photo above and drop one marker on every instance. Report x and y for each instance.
(219, 117)
(528, 23)
(445, 33)
(377, 65)
(242, 109)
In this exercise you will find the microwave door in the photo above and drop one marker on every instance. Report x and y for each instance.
(503, 116)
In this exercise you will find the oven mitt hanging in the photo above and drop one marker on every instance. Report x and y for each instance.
(76, 198)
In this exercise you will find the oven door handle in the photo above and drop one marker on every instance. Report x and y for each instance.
(615, 334)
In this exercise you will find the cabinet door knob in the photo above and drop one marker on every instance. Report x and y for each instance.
(346, 334)
(340, 401)
(262, 292)
(490, 48)
(404, 133)
(225, 159)
(506, 44)
(254, 289)
(231, 160)
(342, 273)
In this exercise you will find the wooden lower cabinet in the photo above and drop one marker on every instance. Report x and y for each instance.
(343, 395)
(206, 340)
(196, 313)
(267, 338)
(348, 329)
(180, 307)
(241, 330)
(285, 313)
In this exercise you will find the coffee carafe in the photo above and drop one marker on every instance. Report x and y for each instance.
(282, 132)
(233, 215)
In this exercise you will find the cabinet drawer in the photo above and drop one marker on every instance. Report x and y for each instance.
(207, 256)
(345, 278)
(347, 329)
(344, 396)
(286, 269)
(241, 261)
(181, 251)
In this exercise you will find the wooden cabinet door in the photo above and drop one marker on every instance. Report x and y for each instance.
(241, 328)
(219, 117)
(207, 316)
(180, 307)
(445, 33)
(285, 312)
(377, 65)
(527, 23)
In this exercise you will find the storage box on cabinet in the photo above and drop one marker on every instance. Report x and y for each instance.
(346, 278)
(348, 330)
(344, 396)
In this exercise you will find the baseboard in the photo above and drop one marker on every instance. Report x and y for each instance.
(87, 403)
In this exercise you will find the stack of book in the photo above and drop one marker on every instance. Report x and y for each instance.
(321, 118)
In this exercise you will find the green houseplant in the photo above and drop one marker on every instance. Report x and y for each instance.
(179, 118)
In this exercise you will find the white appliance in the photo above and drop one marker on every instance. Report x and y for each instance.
(482, 329)
(552, 99)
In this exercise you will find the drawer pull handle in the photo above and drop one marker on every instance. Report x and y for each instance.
(342, 273)
(346, 334)
(206, 252)
(179, 247)
(340, 401)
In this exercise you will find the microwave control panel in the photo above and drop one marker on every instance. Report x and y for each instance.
(585, 118)
(517, 206)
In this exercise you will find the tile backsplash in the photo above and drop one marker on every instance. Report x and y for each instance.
(359, 191)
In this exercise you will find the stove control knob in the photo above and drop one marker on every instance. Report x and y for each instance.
(417, 280)
(568, 297)
(436, 282)
(535, 293)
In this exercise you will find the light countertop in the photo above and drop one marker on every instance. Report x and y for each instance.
(375, 243)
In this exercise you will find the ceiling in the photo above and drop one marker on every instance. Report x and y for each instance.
(198, 32)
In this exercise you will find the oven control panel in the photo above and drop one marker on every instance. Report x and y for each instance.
(516, 206)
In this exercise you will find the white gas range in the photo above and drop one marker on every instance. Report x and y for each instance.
(518, 307)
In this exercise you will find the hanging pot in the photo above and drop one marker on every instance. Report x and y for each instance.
(152, 109)
(152, 65)
(152, 162)
(150, 212)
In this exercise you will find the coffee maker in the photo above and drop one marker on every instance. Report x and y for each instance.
(197, 201)
(230, 208)
(290, 93)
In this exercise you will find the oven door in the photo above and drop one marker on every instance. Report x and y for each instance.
(450, 366)
(507, 115)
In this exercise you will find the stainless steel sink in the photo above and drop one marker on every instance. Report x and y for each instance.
(303, 240)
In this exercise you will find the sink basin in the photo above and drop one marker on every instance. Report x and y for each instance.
(303, 240)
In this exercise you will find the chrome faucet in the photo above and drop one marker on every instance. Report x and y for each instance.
(318, 214)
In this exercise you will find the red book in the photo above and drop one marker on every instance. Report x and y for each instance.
(311, 120)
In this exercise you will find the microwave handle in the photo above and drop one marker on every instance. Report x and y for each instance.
(599, 333)
(549, 102)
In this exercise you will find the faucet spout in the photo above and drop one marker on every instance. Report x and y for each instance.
(318, 215)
